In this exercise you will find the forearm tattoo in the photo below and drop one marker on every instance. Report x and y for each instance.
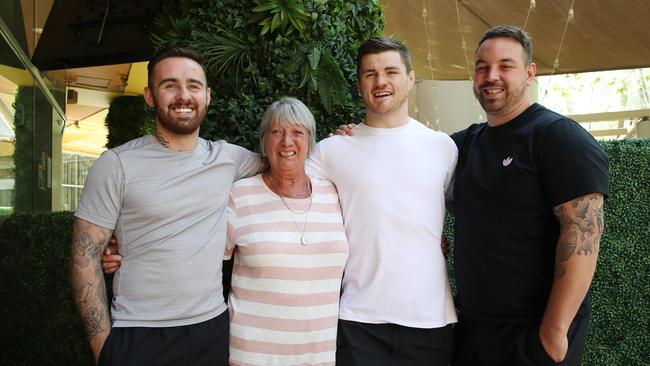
(581, 225)
(87, 280)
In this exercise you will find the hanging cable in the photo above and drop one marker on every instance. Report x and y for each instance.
(556, 62)
(463, 44)
(532, 7)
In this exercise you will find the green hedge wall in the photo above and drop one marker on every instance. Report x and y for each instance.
(620, 296)
(39, 324)
(38, 321)
(128, 118)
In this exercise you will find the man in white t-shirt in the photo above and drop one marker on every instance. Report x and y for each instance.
(392, 175)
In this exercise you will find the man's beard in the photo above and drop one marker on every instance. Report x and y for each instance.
(180, 126)
(513, 94)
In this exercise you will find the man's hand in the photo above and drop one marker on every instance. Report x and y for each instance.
(87, 281)
(111, 260)
(555, 343)
(344, 130)
(444, 246)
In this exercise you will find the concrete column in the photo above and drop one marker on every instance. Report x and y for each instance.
(643, 128)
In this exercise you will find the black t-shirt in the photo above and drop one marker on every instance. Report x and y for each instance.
(508, 179)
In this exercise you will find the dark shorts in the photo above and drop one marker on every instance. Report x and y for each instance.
(199, 344)
(362, 344)
(481, 343)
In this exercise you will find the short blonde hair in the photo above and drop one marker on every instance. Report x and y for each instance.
(288, 111)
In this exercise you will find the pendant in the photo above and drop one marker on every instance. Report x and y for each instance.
(303, 240)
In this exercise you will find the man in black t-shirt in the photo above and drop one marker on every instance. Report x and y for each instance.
(529, 193)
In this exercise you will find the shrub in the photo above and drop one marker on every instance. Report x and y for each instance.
(620, 294)
(128, 117)
(39, 322)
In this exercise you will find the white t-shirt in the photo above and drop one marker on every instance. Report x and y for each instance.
(392, 184)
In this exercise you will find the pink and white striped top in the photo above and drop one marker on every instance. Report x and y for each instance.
(284, 301)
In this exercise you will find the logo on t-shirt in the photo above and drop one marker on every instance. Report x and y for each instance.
(507, 161)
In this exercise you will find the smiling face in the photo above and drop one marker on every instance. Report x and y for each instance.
(384, 84)
(179, 94)
(501, 79)
(286, 147)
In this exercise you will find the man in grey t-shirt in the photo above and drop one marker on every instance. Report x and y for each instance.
(163, 196)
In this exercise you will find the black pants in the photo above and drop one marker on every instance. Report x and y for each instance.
(362, 344)
(494, 344)
(199, 344)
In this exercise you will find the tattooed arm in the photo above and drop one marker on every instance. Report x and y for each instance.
(87, 280)
(581, 225)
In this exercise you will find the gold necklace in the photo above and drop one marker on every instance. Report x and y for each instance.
(303, 239)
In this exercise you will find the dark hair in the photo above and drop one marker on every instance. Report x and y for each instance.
(510, 31)
(172, 51)
(383, 44)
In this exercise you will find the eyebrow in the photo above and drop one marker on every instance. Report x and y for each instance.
(388, 68)
(174, 80)
(481, 61)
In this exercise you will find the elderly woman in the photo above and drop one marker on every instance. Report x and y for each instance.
(285, 231)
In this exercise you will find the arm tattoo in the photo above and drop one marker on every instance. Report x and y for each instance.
(581, 225)
(161, 139)
(87, 280)
(93, 319)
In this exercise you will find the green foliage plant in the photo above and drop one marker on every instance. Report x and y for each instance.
(23, 155)
(620, 293)
(310, 57)
(39, 324)
(285, 15)
(128, 117)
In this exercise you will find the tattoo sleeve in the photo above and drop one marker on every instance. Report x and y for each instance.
(87, 280)
(581, 225)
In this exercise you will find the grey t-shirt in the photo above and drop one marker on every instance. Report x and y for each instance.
(168, 212)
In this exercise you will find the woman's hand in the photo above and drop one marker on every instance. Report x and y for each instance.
(111, 260)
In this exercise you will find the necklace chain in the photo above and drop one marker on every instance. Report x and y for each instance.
(302, 232)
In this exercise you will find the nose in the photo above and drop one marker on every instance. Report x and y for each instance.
(183, 94)
(286, 139)
(380, 79)
(492, 74)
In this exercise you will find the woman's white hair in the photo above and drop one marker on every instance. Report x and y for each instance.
(288, 111)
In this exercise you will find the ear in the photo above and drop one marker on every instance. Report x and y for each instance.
(530, 73)
(208, 95)
(411, 77)
(149, 98)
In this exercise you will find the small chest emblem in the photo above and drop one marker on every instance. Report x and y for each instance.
(507, 161)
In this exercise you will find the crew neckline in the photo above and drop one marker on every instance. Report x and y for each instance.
(269, 190)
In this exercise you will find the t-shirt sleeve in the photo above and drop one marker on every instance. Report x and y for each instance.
(459, 137)
(101, 198)
(316, 164)
(573, 164)
(248, 163)
(230, 236)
